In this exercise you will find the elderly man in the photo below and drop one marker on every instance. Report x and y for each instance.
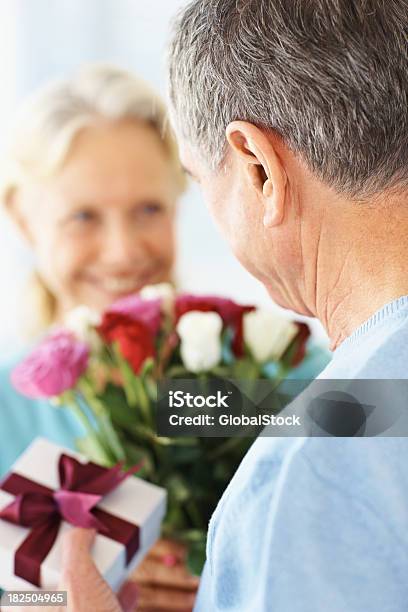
(293, 117)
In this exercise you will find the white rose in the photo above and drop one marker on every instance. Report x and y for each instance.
(200, 334)
(81, 321)
(163, 291)
(267, 334)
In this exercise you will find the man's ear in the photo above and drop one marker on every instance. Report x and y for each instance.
(255, 149)
(13, 206)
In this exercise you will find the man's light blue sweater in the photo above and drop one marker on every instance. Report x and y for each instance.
(319, 524)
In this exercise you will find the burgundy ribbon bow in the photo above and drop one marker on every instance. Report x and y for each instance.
(82, 486)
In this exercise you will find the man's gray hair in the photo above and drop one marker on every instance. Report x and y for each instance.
(329, 76)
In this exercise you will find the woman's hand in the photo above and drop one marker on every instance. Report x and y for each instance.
(162, 582)
(86, 588)
(165, 584)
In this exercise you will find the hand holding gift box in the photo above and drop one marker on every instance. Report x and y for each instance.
(50, 489)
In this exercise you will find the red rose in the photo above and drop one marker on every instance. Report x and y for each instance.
(230, 312)
(301, 343)
(147, 311)
(135, 339)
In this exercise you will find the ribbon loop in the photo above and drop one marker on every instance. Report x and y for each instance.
(30, 510)
(75, 508)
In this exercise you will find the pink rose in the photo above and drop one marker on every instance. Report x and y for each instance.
(145, 311)
(52, 368)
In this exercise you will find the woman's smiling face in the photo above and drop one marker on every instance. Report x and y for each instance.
(103, 226)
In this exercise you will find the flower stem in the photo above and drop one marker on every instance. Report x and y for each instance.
(72, 402)
(103, 419)
(144, 401)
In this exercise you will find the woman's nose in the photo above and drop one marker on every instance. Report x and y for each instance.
(121, 246)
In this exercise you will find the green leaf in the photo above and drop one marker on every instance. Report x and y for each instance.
(143, 401)
(94, 451)
(176, 441)
(221, 371)
(119, 410)
(194, 535)
(178, 371)
(178, 488)
(141, 433)
(109, 434)
(186, 454)
(247, 369)
(105, 430)
(127, 376)
(174, 521)
(151, 389)
(196, 557)
(147, 367)
(136, 454)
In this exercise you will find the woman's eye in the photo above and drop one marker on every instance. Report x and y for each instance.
(83, 216)
(149, 209)
(152, 208)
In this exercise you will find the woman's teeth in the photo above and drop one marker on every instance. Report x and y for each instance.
(119, 285)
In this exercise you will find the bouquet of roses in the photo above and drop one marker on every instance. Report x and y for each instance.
(106, 367)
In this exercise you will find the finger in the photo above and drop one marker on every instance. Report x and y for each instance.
(153, 571)
(128, 596)
(87, 589)
(153, 599)
(77, 544)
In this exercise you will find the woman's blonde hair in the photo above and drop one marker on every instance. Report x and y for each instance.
(49, 120)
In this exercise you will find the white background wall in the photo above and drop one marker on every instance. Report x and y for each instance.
(43, 39)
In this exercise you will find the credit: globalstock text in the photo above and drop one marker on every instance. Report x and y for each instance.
(238, 420)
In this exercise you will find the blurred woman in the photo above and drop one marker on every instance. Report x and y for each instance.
(91, 178)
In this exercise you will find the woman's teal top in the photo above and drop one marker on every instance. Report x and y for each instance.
(23, 419)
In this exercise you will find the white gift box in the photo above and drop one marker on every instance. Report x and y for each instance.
(134, 500)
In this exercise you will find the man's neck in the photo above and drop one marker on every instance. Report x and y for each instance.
(368, 270)
(352, 311)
